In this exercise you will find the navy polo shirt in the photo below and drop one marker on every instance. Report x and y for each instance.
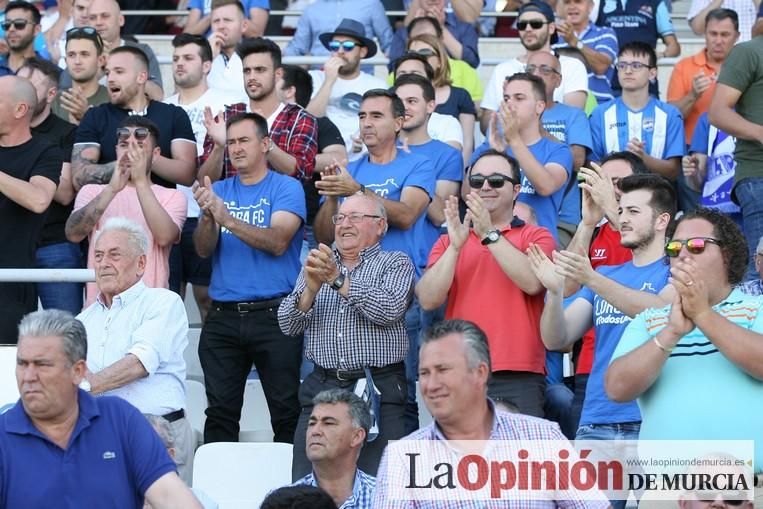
(113, 457)
(99, 125)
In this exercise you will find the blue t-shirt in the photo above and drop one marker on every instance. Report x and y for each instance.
(609, 324)
(113, 455)
(636, 20)
(205, 6)
(388, 181)
(448, 165)
(546, 207)
(658, 124)
(570, 126)
(241, 272)
(719, 147)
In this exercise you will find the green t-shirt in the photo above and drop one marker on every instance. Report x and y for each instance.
(100, 97)
(743, 71)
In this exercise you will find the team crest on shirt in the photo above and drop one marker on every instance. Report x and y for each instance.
(646, 10)
(648, 125)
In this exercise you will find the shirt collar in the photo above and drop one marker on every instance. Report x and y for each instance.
(312, 480)
(700, 58)
(17, 421)
(365, 253)
(494, 431)
(736, 296)
(126, 296)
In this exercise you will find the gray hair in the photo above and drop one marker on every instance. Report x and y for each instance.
(759, 249)
(136, 236)
(359, 412)
(57, 323)
(475, 340)
(162, 428)
(377, 202)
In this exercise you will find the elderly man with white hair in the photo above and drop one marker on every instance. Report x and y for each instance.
(755, 286)
(136, 335)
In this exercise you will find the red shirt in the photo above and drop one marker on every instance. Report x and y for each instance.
(605, 250)
(482, 293)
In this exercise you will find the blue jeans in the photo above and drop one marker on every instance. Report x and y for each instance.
(624, 431)
(748, 193)
(66, 296)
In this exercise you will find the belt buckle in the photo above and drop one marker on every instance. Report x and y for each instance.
(339, 376)
(242, 307)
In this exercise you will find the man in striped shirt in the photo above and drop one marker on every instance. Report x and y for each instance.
(636, 121)
(350, 304)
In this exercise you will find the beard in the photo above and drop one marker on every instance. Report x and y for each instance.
(349, 68)
(641, 241)
(541, 41)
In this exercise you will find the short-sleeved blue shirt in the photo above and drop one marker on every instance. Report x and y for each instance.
(658, 124)
(388, 181)
(113, 457)
(448, 165)
(241, 272)
(99, 125)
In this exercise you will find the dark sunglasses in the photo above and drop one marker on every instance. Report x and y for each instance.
(424, 52)
(709, 497)
(18, 24)
(535, 24)
(694, 245)
(85, 33)
(495, 181)
(140, 133)
(345, 45)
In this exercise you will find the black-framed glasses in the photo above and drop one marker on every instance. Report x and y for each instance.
(18, 24)
(545, 70)
(694, 245)
(636, 66)
(354, 217)
(140, 133)
(345, 45)
(85, 33)
(495, 181)
(535, 24)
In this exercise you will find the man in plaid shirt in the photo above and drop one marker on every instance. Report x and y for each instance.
(293, 131)
(454, 368)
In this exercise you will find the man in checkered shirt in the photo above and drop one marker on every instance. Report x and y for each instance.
(350, 303)
(454, 368)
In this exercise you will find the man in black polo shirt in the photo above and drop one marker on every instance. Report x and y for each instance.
(53, 250)
(94, 154)
(29, 171)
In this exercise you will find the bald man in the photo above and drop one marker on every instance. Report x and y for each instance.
(106, 17)
(29, 173)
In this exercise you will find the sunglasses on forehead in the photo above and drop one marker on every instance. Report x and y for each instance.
(694, 245)
(495, 181)
(85, 33)
(17, 24)
(140, 133)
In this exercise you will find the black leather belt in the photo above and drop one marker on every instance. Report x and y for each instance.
(353, 374)
(246, 307)
(174, 416)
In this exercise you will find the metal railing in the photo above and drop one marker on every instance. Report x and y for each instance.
(47, 275)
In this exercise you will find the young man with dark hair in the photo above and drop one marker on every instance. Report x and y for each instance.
(84, 59)
(545, 164)
(293, 132)
(54, 251)
(637, 121)
(251, 223)
(609, 298)
(191, 62)
(21, 26)
(94, 154)
(130, 193)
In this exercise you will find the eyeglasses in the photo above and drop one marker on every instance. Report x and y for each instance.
(709, 497)
(694, 245)
(495, 181)
(140, 133)
(18, 24)
(545, 70)
(636, 66)
(85, 33)
(424, 52)
(354, 217)
(535, 24)
(345, 45)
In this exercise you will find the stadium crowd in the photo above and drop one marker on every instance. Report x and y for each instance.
(557, 253)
